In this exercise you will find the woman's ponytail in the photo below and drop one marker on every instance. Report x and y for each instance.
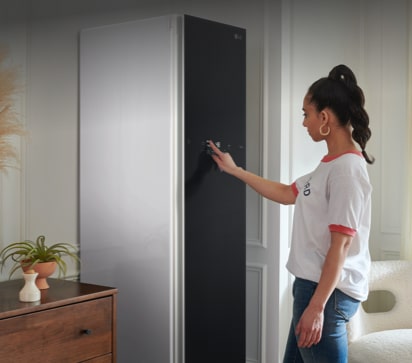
(340, 92)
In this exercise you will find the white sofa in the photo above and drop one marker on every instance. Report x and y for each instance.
(385, 337)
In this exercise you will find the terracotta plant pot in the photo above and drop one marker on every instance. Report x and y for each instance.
(44, 270)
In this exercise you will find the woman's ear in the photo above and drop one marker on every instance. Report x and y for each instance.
(324, 115)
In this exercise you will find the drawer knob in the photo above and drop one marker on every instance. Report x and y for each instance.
(86, 331)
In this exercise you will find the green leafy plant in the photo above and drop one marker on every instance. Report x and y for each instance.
(28, 254)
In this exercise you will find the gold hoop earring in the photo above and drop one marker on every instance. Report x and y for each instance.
(324, 133)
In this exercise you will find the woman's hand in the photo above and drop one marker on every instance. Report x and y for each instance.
(223, 160)
(278, 192)
(309, 328)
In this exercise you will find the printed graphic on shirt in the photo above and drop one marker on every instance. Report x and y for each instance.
(306, 188)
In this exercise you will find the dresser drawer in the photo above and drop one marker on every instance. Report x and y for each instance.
(71, 333)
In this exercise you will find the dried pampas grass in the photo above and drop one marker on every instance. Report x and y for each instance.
(9, 123)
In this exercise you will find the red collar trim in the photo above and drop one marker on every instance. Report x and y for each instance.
(327, 158)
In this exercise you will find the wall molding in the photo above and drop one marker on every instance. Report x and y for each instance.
(260, 240)
(390, 255)
(406, 238)
(256, 275)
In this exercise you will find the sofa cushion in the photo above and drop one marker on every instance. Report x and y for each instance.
(388, 346)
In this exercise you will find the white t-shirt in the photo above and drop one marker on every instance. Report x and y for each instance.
(335, 197)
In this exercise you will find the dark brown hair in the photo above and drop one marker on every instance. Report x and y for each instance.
(340, 92)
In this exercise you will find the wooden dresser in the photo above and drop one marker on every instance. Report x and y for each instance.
(73, 322)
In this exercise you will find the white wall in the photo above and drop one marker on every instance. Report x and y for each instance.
(290, 44)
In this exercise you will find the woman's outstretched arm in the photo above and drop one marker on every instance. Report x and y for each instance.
(275, 191)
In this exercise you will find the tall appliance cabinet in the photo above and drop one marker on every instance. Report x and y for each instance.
(158, 220)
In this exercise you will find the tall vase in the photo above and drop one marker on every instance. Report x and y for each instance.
(30, 292)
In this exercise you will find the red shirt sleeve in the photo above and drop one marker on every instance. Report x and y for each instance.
(295, 189)
(342, 229)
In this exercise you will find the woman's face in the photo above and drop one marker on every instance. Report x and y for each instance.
(312, 119)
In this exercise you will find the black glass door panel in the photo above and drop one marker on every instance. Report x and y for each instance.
(214, 99)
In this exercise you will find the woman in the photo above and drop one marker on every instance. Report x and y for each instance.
(329, 254)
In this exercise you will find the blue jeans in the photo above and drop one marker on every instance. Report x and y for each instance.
(333, 346)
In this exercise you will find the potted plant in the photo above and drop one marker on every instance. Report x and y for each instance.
(37, 255)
